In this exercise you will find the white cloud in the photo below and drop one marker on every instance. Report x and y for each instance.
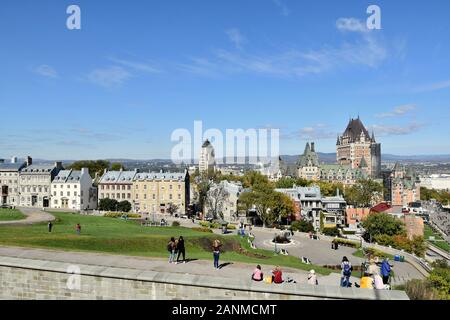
(315, 132)
(398, 111)
(236, 37)
(367, 51)
(351, 24)
(284, 9)
(384, 130)
(433, 86)
(46, 71)
(109, 77)
(139, 66)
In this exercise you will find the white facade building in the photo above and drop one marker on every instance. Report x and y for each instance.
(35, 184)
(436, 181)
(73, 190)
(9, 182)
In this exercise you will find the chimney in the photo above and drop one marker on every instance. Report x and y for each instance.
(29, 161)
(84, 171)
(58, 164)
(14, 159)
(313, 148)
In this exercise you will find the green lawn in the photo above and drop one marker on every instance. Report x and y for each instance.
(11, 214)
(440, 243)
(116, 236)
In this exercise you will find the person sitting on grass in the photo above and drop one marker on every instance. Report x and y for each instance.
(277, 275)
(257, 274)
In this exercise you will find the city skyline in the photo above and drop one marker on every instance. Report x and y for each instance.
(302, 67)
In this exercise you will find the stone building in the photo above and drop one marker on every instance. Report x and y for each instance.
(72, 189)
(116, 185)
(153, 192)
(9, 182)
(35, 183)
(309, 168)
(358, 149)
(403, 186)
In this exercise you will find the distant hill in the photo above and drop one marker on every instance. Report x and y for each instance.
(331, 158)
(288, 159)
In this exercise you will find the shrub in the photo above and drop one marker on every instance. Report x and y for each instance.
(302, 226)
(347, 243)
(420, 290)
(204, 224)
(113, 214)
(175, 224)
(416, 245)
(215, 225)
(376, 253)
(207, 230)
(331, 232)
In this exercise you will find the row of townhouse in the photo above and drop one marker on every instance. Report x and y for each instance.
(51, 186)
(148, 192)
(46, 186)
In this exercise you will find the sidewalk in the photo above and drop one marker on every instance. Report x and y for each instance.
(34, 215)
(199, 267)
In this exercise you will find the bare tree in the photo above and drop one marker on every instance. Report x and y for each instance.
(215, 200)
(172, 208)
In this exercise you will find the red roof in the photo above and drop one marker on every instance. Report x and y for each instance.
(381, 207)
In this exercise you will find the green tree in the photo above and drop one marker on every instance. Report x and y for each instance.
(108, 204)
(117, 166)
(365, 193)
(442, 197)
(124, 206)
(269, 205)
(302, 226)
(94, 167)
(382, 224)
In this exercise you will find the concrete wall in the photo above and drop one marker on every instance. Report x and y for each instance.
(39, 279)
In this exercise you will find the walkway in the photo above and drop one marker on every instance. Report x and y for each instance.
(199, 267)
(319, 252)
(34, 215)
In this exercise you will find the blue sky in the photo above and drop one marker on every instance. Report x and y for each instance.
(137, 70)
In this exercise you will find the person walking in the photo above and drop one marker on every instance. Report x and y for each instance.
(385, 271)
(171, 247)
(257, 274)
(312, 278)
(346, 273)
(216, 252)
(181, 249)
(78, 229)
(50, 226)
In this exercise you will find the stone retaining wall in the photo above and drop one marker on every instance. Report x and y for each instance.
(39, 279)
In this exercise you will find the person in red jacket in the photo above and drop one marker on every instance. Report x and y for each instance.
(277, 275)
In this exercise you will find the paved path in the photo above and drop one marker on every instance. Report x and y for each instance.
(34, 215)
(319, 252)
(199, 267)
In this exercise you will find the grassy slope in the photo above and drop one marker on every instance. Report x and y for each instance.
(11, 214)
(118, 236)
(442, 244)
